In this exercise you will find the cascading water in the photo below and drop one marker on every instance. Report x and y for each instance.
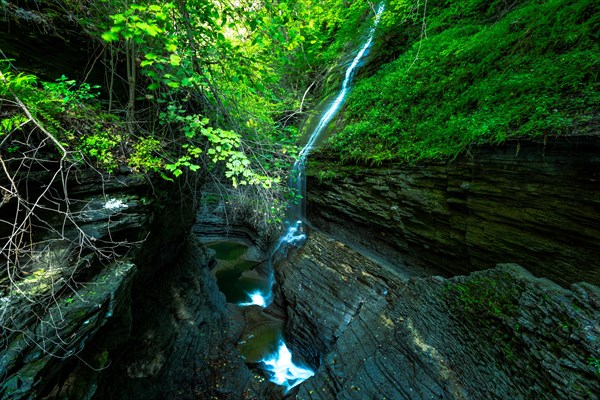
(257, 298)
(280, 366)
(297, 211)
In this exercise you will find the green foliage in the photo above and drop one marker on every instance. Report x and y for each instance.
(223, 146)
(71, 94)
(145, 157)
(595, 363)
(493, 305)
(484, 72)
(483, 297)
(138, 21)
(326, 175)
(12, 123)
(204, 69)
(43, 105)
(211, 86)
(101, 146)
(67, 110)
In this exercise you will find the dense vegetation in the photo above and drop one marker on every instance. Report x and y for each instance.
(475, 71)
(233, 77)
(196, 87)
(191, 92)
(217, 89)
(200, 82)
(197, 91)
(185, 93)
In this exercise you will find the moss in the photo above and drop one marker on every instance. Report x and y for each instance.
(326, 175)
(491, 305)
(528, 71)
(38, 282)
(102, 359)
(483, 296)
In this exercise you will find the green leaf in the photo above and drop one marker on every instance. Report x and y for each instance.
(152, 30)
(110, 36)
(175, 59)
(166, 178)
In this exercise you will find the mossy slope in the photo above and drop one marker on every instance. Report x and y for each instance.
(483, 71)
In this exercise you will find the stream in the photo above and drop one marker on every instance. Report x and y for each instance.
(237, 277)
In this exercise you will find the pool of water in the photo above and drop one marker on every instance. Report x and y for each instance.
(236, 287)
(262, 340)
(235, 275)
(228, 251)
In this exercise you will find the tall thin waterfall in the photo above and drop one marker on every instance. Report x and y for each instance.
(296, 213)
(280, 366)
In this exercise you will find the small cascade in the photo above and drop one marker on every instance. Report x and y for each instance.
(296, 213)
(283, 370)
(279, 364)
(257, 298)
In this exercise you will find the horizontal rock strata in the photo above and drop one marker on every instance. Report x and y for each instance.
(496, 334)
(535, 204)
(68, 307)
(182, 343)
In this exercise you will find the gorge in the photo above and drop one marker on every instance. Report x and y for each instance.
(185, 241)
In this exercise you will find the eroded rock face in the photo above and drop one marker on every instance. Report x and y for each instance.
(218, 220)
(50, 344)
(496, 334)
(71, 305)
(535, 204)
(182, 345)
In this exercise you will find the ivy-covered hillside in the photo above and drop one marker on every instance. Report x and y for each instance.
(475, 71)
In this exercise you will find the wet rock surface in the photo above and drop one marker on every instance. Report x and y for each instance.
(217, 220)
(535, 204)
(43, 354)
(495, 334)
(182, 345)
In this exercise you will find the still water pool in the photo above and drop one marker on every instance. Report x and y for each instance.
(235, 275)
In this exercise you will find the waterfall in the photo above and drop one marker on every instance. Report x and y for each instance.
(296, 213)
(279, 365)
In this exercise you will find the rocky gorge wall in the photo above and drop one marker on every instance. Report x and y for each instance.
(182, 342)
(372, 333)
(64, 321)
(535, 204)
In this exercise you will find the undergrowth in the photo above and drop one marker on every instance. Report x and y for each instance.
(482, 71)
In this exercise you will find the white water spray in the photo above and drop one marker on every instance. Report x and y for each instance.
(280, 366)
(337, 103)
(257, 298)
(283, 370)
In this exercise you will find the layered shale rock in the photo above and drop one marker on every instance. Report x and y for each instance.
(496, 334)
(535, 204)
(217, 220)
(182, 343)
(69, 304)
